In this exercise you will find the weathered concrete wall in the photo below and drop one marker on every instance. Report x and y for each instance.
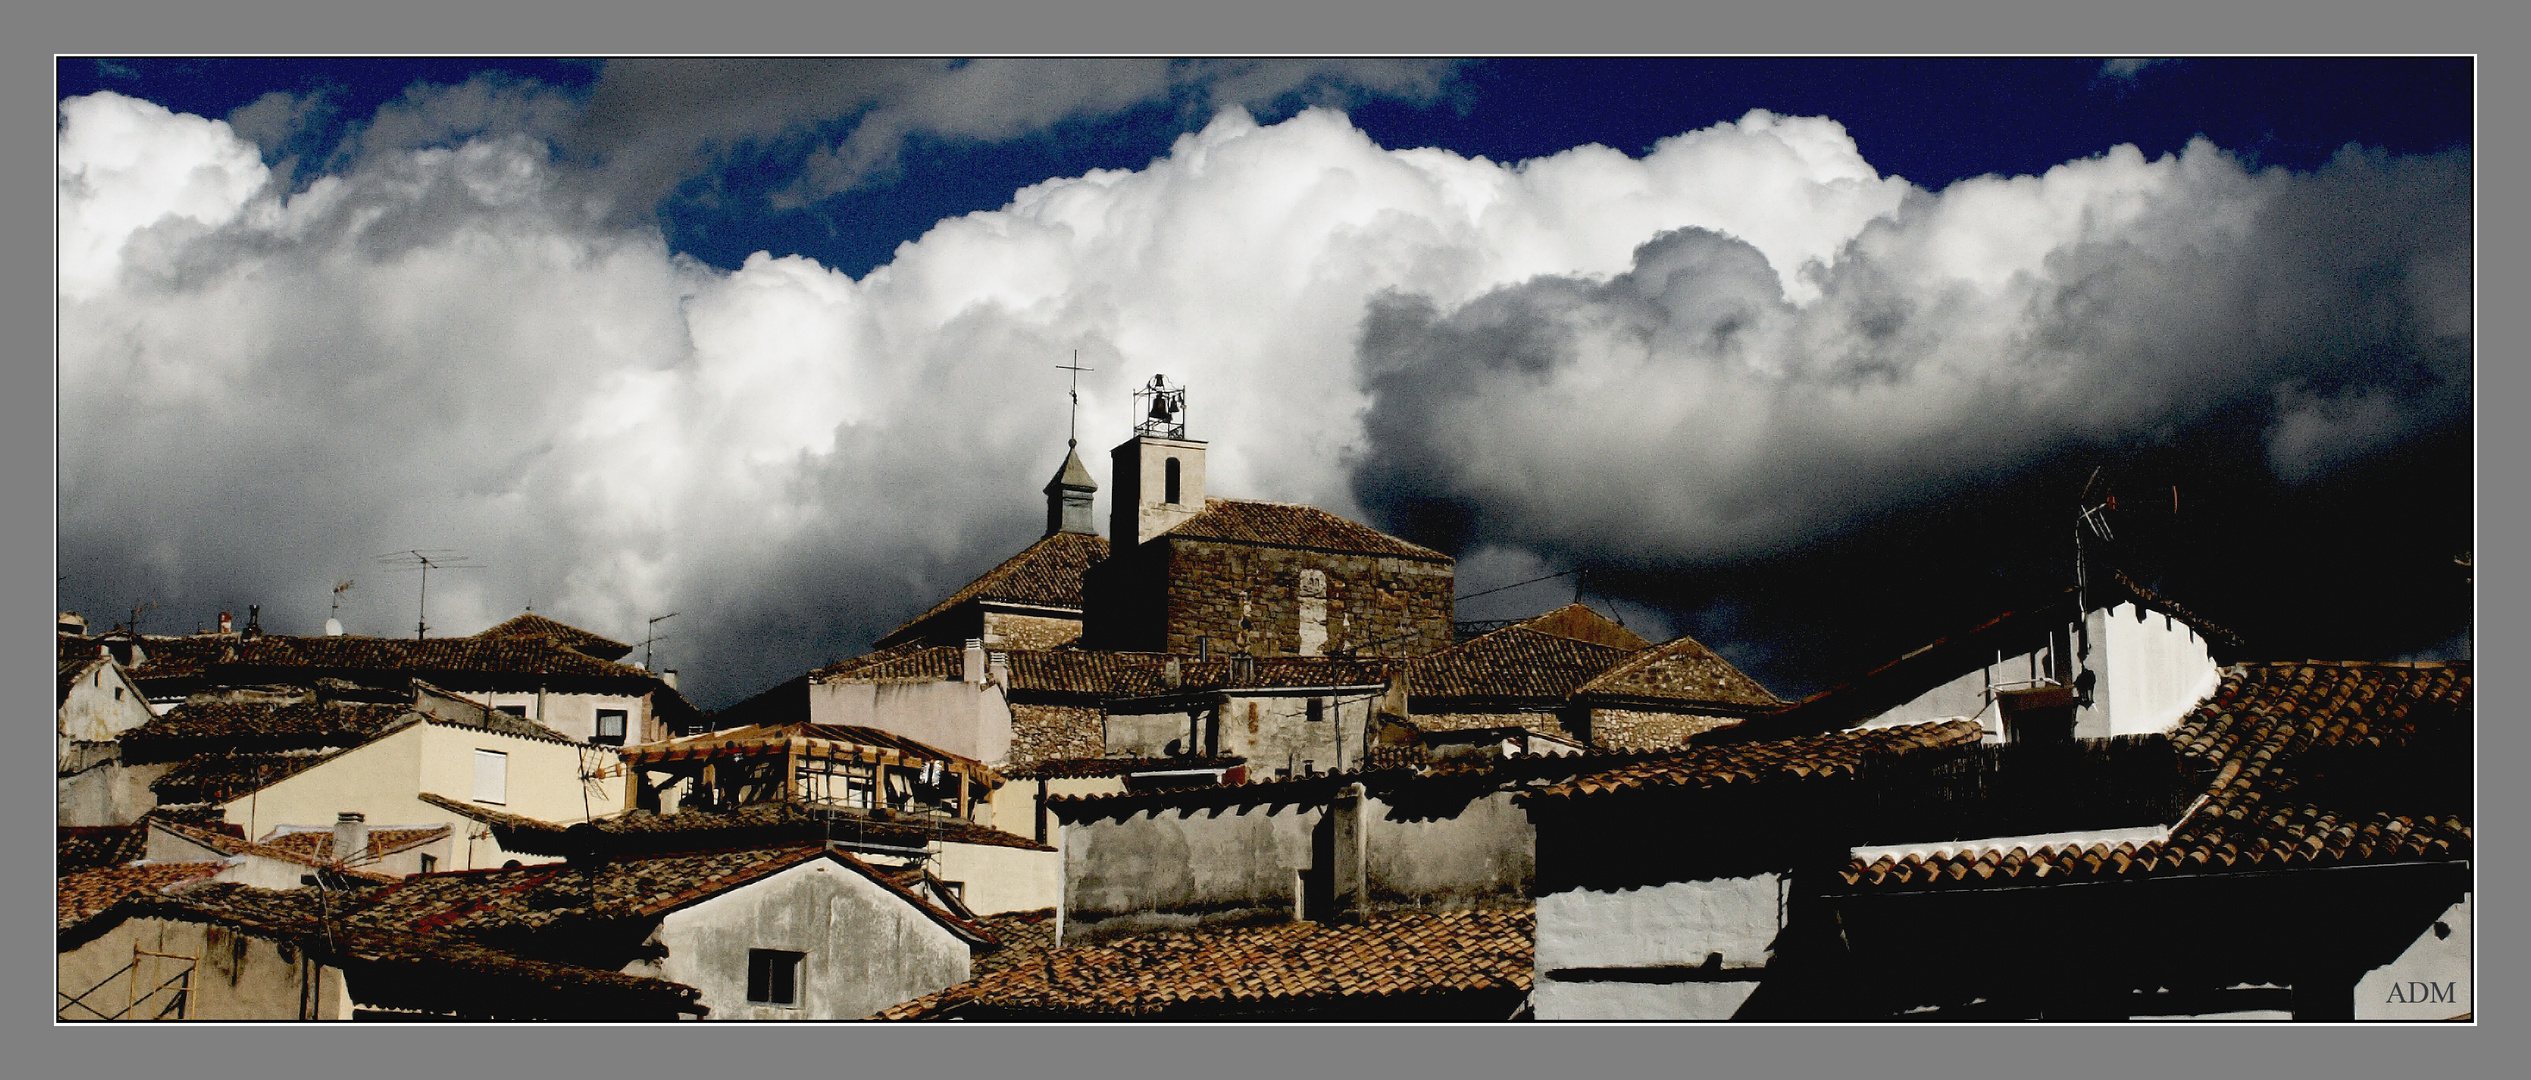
(2152, 670)
(998, 879)
(1639, 1001)
(576, 715)
(101, 706)
(973, 719)
(2431, 981)
(866, 948)
(237, 976)
(383, 780)
(1007, 630)
(107, 792)
(1164, 869)
(1680, 925)
(1249, 599)
(1276, 732)
(1633, 729)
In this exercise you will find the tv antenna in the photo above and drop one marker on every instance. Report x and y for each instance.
(425, 560)
(652, 634)
(138, 607)
(1076, 369)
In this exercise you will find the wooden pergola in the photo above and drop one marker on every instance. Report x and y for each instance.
(810, 764)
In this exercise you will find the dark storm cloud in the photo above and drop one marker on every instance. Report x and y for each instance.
(2258, 332)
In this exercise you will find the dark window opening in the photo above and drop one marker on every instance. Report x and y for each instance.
(1169, 484)
(519, 711)
(1317, 710)
(773, 976)
(118, 693)
(430, 863)
(610, 727)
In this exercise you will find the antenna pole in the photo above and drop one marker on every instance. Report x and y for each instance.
(650, 635)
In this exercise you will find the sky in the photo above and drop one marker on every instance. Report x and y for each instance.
(1811, 359)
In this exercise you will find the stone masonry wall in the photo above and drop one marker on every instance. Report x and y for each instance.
(1629, 729)
(1248, 599)
(1056, 732)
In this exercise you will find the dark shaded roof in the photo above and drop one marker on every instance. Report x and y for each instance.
(1682, 670)
(631, 887)
(1513, 662)
(1579, 622)
(2314, 764)
(406, 967)
(298, 723)
(1058, 768)
(1292, 965)
(301, 853)
(1102, 674)
(1294, 526)
(86, 847)
(911, 661)
(1044, 574)
(81, 896)
(1838, 753)
(756, 824)
(452, 661)
(532, 625)
(217, 778)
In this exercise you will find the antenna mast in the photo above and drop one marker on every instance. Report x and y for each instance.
(651, 635)
(425, 560)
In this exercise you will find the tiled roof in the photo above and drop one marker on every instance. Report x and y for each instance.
(1837, 753)
(1044, 574)
(300, 723)
(1025, 936)
(822, 740)
(1681, 670)
(88, 847)
(1513, 662)
(1579, 622)
(71, 662)
(2277, 736)
(532, 625)
(756, 824)
(433, 970)
(1103, 674)
(911, 661)
(1218, 970)
(81, 896)
(231, 844)
(318, 844)
(438, 658)
(630, 887)
(1293, 525)
(1058, 768)
(215, 778)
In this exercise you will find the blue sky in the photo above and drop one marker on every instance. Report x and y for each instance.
(1812, 383)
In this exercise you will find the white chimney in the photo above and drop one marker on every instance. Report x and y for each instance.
(670, 677)
(974, 668)
(351, 837)
(333, 627)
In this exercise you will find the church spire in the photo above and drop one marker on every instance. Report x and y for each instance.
(1068, 498)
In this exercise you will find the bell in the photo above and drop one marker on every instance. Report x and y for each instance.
(1159, 406)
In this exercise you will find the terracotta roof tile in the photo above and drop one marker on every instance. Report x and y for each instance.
(301, 723)
(1212, 970)
(1044, 574)
(2272, 735)
(532, 626)
(318, 844)
(1839, 753)
(1293, 525)
(758, 824)
(251, 659)
(88, 847)
(217, 778)
(83, 895)
(1681, 670)
(1513, 662)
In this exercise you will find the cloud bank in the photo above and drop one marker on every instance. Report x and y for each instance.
(1743, 342)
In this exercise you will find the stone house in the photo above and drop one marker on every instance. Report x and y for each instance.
(94, 703)
(1573, 674)
(1033, 599)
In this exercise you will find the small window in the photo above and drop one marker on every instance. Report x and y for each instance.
(492, 777)
(118, 693)
(519, 711)
(1309, 768)
(610, 727)
(1317, 710)
(1169, 481)
(773, 976)
(430, 863)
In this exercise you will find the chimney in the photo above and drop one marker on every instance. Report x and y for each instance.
(670, 677)
(224, 623)
(974, 669)
(333, 627)
(351, 837)
(69, 622)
